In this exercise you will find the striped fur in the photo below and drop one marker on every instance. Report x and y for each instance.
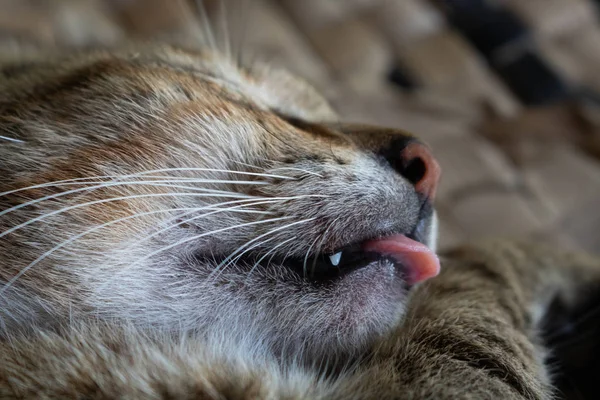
(127, 176)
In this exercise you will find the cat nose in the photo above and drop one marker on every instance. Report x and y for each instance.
(407, 155)
(415, 162)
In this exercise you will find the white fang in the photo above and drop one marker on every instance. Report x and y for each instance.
(335, 259)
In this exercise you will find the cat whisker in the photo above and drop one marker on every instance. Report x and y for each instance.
(75, 238)
(244, 17)
(9, 139)
(297, 169)
(229, 171)
(113, 222)
(112, 199)
(225, 30)
(206, 25)
(228, 261)
(53, 183)
(275, 169)
(247, 165)
(205, 234)
(145, 173)
(160, 183)
(320, 246)
(272, 251)
(141, 183)
(245, 248)
(308, 254)
(253, 202)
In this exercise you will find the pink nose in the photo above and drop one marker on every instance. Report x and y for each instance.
(420, 168)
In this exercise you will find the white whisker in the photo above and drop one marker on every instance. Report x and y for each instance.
(297, 169)
(230, 258)
(113, 222)
(11, 139)
(247, 165)
(308, 253)
(206, 25)
(77, 237)
(253, 202)
(156, 183)
(225, 30)
(183, 169)
(323, 238)
(74, 181)
(145, 174)
(134, 183)
(65, 209)
(267, 254)
(245, 16)
(196, 237)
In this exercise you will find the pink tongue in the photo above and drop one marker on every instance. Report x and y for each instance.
(421, 263)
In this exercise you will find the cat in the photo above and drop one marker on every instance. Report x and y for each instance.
(176, 225)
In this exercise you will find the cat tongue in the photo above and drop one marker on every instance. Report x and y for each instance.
(420, 261)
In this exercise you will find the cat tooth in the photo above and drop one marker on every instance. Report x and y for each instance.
(335, 259)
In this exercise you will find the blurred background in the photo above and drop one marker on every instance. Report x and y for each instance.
(506, 92)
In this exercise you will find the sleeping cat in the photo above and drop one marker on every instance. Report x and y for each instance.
(182, 197)
(175, 225)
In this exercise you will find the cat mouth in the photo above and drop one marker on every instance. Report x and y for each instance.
(406, 255)
(413, 260)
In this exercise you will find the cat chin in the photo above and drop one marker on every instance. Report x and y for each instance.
(282, 308)
(339, 318)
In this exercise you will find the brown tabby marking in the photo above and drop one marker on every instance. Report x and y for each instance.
(119, 298)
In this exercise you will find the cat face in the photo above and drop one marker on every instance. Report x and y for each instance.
(177, 190)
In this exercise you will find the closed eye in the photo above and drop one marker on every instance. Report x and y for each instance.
(316, 129)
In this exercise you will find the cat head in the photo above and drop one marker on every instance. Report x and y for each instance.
(178, 190)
